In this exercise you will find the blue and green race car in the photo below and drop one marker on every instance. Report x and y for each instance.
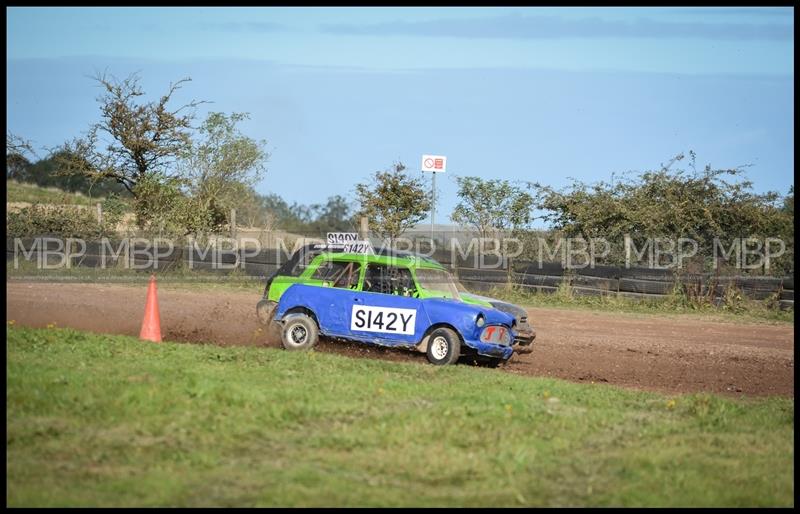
(395, 299)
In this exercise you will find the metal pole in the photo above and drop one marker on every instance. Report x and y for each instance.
(433, 204)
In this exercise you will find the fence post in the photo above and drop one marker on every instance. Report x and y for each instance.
(509, 273)
(99, 213)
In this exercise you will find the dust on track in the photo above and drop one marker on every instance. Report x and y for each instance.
(661, 353)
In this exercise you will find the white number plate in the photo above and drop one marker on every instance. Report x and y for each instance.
(342, 237)
(358, 247)
(388, 320)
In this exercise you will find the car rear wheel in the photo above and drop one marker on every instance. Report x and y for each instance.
(300, 332)
(444, 347)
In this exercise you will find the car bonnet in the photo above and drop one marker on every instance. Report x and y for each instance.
(493, 316)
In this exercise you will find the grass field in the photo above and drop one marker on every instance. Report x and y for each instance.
(96, 420)
(31, 193)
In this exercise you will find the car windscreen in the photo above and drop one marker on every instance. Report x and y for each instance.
(437, 281)
(296, 264)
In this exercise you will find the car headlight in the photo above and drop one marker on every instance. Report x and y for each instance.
(481, 321)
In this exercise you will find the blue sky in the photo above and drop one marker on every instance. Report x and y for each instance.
(540, 94)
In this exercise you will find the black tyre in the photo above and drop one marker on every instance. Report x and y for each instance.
(299, 332)
(444, 347)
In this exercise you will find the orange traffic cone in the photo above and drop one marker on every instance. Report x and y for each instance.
(151, 325)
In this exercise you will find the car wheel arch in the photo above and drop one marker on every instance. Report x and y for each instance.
(301, 310)
(422, 346)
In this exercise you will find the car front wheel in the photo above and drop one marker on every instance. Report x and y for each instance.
(444, 347)
(300, 332)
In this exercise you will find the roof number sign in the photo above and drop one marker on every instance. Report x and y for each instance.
(358, 247)
(348, 242)
(338, 238)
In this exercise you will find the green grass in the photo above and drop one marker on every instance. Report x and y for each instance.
(31, 193)
(748, 311)
(97, 420)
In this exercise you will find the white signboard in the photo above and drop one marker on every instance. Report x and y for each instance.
(342, 237)
(349, 242)
(434, 163)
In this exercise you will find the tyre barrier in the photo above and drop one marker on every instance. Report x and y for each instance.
(762, 283)
(255, 269)
(533, 268)
(536, 289)
(490, 261)
(590, 291)
(493, 276)
(607, 272)
(630, 285)
(605, 284)
(658, 275)
(478, 286)
(538, 280)
(636, 282)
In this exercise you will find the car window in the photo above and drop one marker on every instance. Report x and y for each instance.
(438, 281)
(380, 278)
(338, 273)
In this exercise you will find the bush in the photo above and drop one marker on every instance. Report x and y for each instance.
(56, 220)
(114, 209)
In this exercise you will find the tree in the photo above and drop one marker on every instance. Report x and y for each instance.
(45, 173)
(393, 201)
(222, 166)
(700, 205)
(144, 138)
(17, 152)
(162, 207)
(491, 206)
(17, 145)
(333, 216)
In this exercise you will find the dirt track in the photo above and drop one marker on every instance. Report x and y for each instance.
(669, 354)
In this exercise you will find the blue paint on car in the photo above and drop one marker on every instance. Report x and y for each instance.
(341, 313)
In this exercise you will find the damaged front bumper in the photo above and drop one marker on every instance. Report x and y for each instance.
(523, 342)
(494, 350)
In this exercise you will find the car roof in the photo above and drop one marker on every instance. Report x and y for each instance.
(410, 261)
(390, 259)
(382, 256)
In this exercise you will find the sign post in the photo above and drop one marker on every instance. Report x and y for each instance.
(435, 164)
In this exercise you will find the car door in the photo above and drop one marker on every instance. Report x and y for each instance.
(338, 279)
(385, 310)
